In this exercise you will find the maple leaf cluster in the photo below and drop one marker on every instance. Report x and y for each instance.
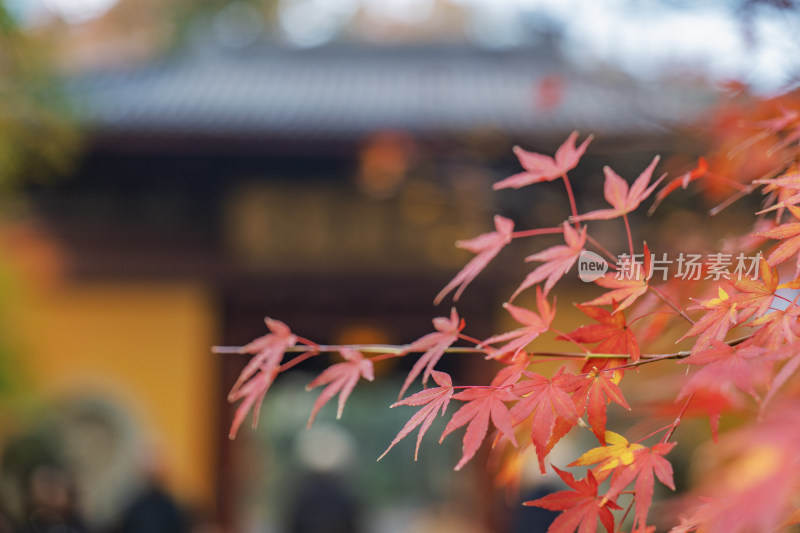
(741, 338)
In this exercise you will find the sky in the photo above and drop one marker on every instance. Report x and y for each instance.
(641, 36)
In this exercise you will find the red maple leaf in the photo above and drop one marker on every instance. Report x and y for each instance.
(581, 507)
(557, 260)
(484, 403)
(544, 399)
(431, 400)
(622, 199)
(725, 371)
(517, 339)
(487, 246)
(259, 373)
(539, 167)
(594, 392)
(724, 365)
(434, 345)
(648, 464)
(341, 379)
(612, 334)
(682, 181)
(630, 462)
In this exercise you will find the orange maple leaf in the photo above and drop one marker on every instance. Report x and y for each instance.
(756, 296)
(627, 286)
(580, 507)
(789, 233)
(721, 314)
(612, 334)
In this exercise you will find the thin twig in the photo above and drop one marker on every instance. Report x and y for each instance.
(628, 510)
(630, 235)
(603, 250)
(664, 298)
(571, 197)
(677, 421)
(535, 232)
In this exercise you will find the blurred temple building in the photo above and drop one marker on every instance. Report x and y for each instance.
(324, 187)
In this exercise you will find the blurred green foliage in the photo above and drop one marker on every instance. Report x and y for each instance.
(38, 137)
(38, 140)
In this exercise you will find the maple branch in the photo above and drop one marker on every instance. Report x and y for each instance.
(664, 298)
(391, 350)
(385, 349)
(643, 359)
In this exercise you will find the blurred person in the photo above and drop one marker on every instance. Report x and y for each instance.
(324, 501)
(51, 502)
(38, 492)
(152, 509)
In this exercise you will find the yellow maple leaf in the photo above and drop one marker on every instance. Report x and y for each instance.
(617, 451)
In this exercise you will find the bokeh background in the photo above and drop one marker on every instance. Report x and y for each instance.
(173, 171)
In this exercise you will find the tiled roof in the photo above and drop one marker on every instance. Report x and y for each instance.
(344, 91)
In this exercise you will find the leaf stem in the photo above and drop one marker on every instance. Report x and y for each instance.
(628, 510)
(659, 430)
(297, 360)
(664, 298)
(730, 200)
(567, 337)
(467, 338)
(535, 232)
(677, 421)
(628, 231)
(603, 250)
(571, 197)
